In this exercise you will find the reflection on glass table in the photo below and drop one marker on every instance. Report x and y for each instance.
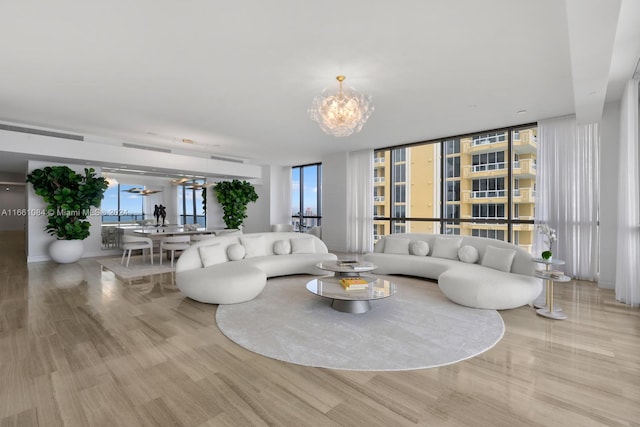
(351, 301)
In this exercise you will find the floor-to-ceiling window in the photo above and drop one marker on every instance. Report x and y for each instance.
(306, 192)
(480, 184)
(190, 204)
(122, 204)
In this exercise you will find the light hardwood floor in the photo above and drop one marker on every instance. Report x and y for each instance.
(80, 348)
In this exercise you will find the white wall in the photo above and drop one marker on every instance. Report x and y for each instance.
(214, 211)
(609, 145)
(334, 201)
(258, 214)
(257, 220)
(280, 185)
(273, 205)
(13, 202)
(38, 240)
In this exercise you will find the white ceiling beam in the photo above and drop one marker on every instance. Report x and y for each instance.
(592, 26)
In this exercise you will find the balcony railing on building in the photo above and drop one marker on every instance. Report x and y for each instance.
(378, 179)
(378, 198)
(488, 193)
(520, 195)
(378, 160)
(488, 167)
(489, 139)
(525, 167)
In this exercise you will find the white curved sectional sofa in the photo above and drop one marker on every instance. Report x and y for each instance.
(235, 268)
(502, 276)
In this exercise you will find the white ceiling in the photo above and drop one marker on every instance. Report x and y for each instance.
(238, 77)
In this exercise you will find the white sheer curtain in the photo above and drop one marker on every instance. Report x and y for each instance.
(567, 195)
(628, 254)
(360, 201)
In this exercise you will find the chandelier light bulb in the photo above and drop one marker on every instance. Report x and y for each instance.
(341, 113)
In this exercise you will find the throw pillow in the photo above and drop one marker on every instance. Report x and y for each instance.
(212, 254)
(468, 254)
(419, 248)
(254, 246)
(498, 258)
(396, 246)
(303, 246)
(235, 252)
(282, 247)
(447, 247)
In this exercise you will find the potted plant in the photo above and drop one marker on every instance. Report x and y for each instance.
(549, 237)
(69, 197)
(234, 196)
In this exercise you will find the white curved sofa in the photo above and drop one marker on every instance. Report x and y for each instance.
(228, 278)
(469, 284)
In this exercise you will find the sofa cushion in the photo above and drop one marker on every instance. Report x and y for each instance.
(235, 252)
(396, 246)
(212, 254)
(302, 246)
(282, 247)
(419, 248)
(468, 254)
(447, 247)
(254, 246)
(498, 258)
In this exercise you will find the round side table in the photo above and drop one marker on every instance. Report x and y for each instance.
(549, 309)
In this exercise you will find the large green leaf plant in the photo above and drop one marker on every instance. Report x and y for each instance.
(234, 196)
(69, 197)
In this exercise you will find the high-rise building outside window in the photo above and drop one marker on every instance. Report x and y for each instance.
(479, 184)
(306, 196)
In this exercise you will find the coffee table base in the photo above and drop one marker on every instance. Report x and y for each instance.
(351, 306)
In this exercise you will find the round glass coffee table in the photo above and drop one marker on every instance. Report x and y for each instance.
(346, 268)
(351, 301)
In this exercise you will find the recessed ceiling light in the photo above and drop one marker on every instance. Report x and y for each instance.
(521, 111)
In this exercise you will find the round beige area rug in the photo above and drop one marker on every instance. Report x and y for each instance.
(415, 329)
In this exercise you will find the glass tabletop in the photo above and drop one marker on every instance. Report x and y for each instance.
(330, 287)
(548, 261)
(346, 267)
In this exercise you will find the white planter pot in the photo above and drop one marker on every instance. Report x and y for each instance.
(66, 251)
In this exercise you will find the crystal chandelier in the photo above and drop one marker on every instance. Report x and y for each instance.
(341, 113)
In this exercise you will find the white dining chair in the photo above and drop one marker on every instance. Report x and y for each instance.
(130, 243)
(201, 237)
(173, 244)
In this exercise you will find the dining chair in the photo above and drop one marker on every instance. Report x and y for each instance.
(201, 237)
(130, 243)
(173, 244)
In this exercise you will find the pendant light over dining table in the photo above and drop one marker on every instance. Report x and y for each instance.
(341, 113)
